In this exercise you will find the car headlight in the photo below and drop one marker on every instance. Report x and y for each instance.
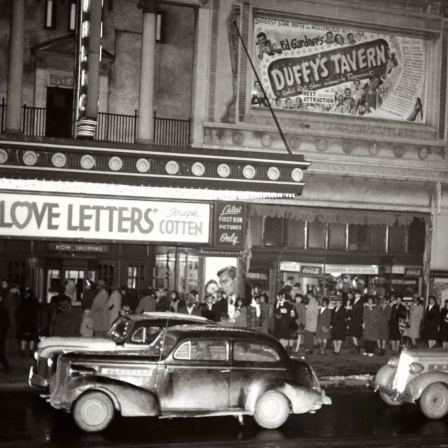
(416, 368)
(392, 362)
(49, 362)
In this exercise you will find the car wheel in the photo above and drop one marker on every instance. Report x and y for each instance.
(93, 411)
(271, 410)
(434, 401)
(388, 400)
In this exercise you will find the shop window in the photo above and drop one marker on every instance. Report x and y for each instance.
(416, 240)
(16, 273)
(316, 235)
(273, 231)
(106, 272)
(336, 236)
(136, 275)
(295, 236)
(256, 230)
(377, 239)
(397, 238)
(357, 237)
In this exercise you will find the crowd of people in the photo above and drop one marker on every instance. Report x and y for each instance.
(295, 318)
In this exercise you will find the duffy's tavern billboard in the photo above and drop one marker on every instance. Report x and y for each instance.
(318, 68)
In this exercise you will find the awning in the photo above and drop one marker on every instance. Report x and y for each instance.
(360, 217)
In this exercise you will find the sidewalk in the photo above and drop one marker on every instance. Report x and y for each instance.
(345, 369)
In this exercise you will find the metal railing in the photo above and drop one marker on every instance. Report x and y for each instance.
(110, 127)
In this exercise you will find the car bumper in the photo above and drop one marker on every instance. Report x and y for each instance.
(393, 394)
(35, 380)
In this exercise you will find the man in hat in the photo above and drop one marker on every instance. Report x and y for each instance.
(190, 307)
(221, 306)
(99, 310)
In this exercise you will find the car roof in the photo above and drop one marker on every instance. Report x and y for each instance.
(166, 315)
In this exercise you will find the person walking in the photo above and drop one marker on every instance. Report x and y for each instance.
(301, 319)
(371, 318)
(399, 313)
(264, 313)
(99, 310)
(147, 303)
(293, 329)
(431, 322)
(27, 322)
(282, 315)
(114, 305)
(4, 325)
(355, 324)
(254, 313)
(312, 312)
(323, 329)
(338, 326)
(384, 315)
(88, 296)
(416, 314)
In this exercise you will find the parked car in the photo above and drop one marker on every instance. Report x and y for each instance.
(416, 376)
(131, 332)
(188, 371)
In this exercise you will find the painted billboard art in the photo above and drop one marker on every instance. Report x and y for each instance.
(316, 68)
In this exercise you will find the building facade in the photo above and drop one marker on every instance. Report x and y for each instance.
(350, 190)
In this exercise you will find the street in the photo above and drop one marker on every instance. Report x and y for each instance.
(356, 418)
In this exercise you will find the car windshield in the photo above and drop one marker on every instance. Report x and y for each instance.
(120, 330)
(163, 343)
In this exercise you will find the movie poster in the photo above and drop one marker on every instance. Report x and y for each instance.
(317, 68)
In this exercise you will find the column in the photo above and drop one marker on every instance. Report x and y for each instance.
(15, 68)
(145, 128)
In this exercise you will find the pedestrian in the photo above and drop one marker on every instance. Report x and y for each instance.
(114, 304)
(10, 302)
(207, 310)
(444, 324)
(4, 325)
(416, 313)
(174, 303)
(282, 315)
(355, 323)
(300, 307)
(431, 322)
(27, 322)
(371, 318)
(86, 325)
(338, 326)
(147, 303)
(67, 322)
(399, 313)
(384, 315)
(264, 313)
(323, 329)
(190, 307)
(163, 303)
(254, 313)
(312, 312)
(89, 295)
(240, 313)
(128, 299)
(221, 306)
(99, 310)
(70, 290)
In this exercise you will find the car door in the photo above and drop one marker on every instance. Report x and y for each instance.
(197, 376)
(252, 362)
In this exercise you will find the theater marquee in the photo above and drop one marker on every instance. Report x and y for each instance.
(80, 218)
(329, 69)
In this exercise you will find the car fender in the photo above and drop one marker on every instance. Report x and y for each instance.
(385, 375)
(416, 386)
(301, 398)
(129, 400)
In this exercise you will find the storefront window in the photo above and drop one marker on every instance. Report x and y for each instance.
(397, 235)
(136, 275)
(336, 236)
(273, 232)
(295, 233)
(357, 237)
(316, 235)
(106, 272)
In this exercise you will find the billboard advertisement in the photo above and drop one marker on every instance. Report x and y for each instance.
(328, 69)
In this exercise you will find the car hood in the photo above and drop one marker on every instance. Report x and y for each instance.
(92, 344)
(427, 353)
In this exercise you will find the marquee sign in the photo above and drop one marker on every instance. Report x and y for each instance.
(319, 68)
(79, 218)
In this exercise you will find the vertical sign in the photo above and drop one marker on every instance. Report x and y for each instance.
(89, 54)
(230, 224)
